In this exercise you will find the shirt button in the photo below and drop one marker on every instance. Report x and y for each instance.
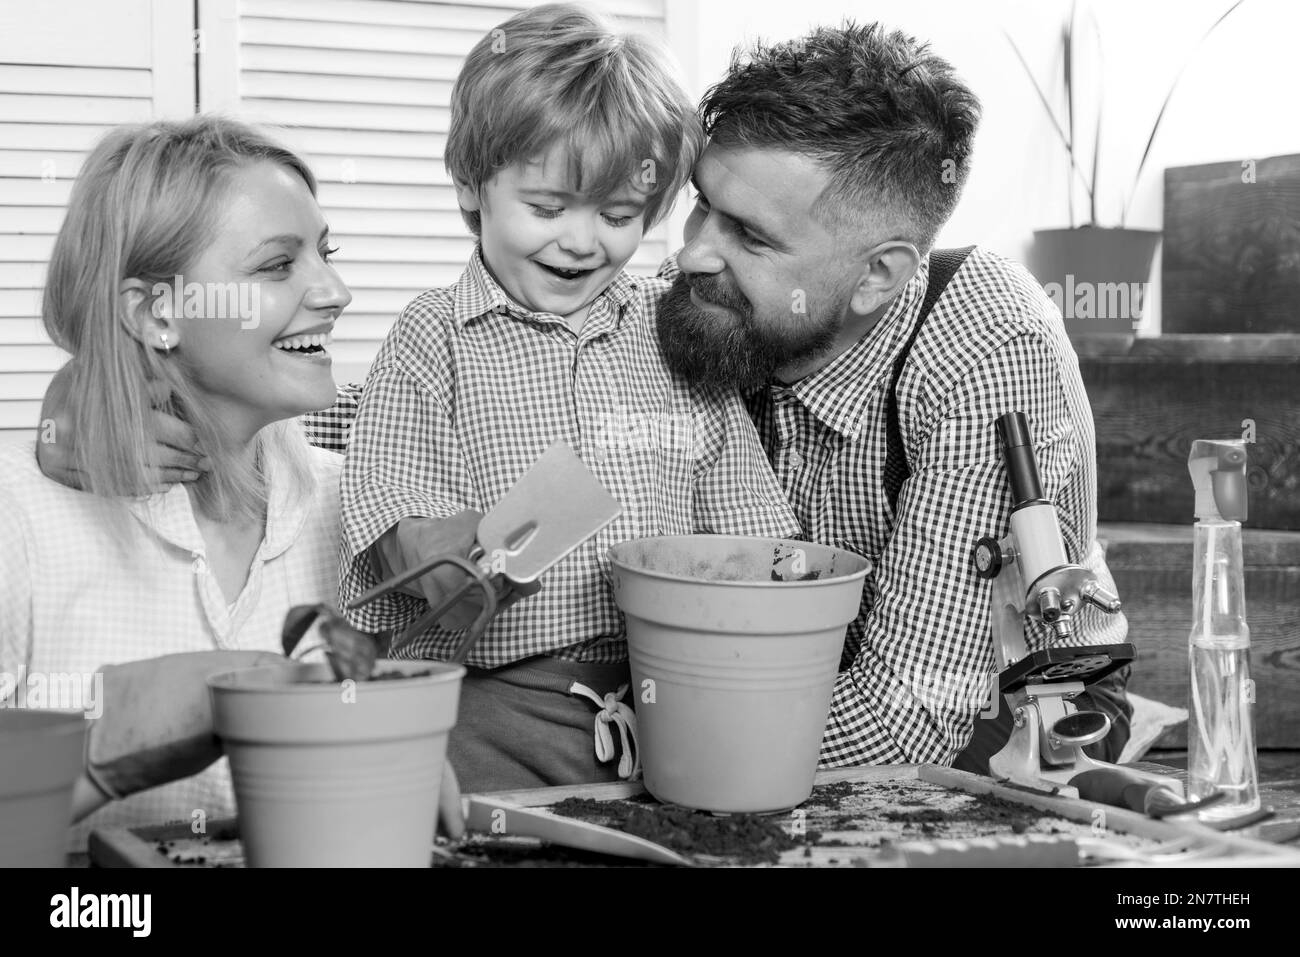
(794, 460)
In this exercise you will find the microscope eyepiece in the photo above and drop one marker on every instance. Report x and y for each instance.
(1018, 450)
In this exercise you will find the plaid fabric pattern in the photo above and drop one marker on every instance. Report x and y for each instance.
(79, 590)
(916, 663)
(331, 428)
(470, 388)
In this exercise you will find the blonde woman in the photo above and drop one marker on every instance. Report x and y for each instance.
(192, 267)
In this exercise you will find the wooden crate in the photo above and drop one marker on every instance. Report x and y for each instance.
(1151, 398)
(1152, 565)
(1231, 258)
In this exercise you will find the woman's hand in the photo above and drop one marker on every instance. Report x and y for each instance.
(175, 454)
(156, 724)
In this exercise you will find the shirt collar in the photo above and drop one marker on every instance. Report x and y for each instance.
(170, 514)
(839, 393)
(477, 293)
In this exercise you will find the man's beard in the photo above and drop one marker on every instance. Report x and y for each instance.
(733, 350)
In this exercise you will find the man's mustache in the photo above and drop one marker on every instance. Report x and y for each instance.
(712, 289)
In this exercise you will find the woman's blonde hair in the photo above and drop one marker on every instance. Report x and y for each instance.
(559, 73)
(146, 204)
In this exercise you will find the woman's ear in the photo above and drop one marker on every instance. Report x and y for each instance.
(467, 196)
(150, 311)
(887, 269)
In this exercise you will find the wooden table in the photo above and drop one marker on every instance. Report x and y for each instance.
(139, 847)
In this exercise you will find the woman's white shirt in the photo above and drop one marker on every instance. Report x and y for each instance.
(79, 591)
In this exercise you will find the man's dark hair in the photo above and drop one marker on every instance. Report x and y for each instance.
(889, 120)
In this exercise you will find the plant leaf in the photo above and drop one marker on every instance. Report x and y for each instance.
(296, 622)
(1051, 115)
(352, 653)
(1163, 106)
(1096, 136)
(1067, 64)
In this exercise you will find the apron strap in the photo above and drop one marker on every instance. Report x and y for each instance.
(614, 711)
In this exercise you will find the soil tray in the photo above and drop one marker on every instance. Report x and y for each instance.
(855, 817)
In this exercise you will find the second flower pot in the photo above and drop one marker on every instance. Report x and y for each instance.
(330, 774)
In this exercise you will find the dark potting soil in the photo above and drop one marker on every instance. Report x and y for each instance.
(806, 577)
(745, 838)
(380, 676)
(983, 811)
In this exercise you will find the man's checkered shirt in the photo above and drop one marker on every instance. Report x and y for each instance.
(917, 661)
(469, 389)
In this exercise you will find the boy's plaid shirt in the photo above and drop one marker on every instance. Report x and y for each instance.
(917, 660)
(469, 389)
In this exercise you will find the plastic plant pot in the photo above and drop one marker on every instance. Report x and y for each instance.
(331, 774)
(42, 753)
(734, 646)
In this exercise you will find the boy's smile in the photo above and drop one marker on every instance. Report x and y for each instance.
(553, 248)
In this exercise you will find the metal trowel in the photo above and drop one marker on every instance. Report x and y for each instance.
(552, 509)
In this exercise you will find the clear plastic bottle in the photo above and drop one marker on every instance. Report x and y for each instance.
(1220, 732)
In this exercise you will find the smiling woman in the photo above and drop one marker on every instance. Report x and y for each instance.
(192, 273)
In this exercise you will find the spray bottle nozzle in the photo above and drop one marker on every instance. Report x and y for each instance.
(1218, 468)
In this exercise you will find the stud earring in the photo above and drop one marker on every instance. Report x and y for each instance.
(167, 348)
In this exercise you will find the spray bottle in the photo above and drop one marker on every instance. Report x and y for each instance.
(1220, 733)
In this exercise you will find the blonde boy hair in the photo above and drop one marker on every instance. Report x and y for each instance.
(559, 73)
(146, 204)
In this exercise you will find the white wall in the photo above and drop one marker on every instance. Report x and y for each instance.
(1235, 101)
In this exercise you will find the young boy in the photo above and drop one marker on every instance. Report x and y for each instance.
(567, 142)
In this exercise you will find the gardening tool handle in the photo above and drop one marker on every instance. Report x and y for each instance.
(1114, 787)
(402, 578)
(476, 578)
(1120, 788)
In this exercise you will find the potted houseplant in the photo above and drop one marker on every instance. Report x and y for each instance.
(1096, 274)
(332, 765)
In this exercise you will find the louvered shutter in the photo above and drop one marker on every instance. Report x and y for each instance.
(69, 70)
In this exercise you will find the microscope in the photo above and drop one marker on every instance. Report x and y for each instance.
(1033, 581)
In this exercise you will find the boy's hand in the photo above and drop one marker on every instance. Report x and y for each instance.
(175, 456)
(415, 540)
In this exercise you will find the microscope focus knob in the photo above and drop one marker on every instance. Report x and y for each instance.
(987, 555)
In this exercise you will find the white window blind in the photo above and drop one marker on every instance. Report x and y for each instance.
(68, 72)
(362, 88)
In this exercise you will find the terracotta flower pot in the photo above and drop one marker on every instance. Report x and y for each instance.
(42, 754)
(336, 775)
(733, 670)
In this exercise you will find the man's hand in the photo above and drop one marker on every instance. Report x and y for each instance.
(175, 452)
(156, 724)
(413, 541)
